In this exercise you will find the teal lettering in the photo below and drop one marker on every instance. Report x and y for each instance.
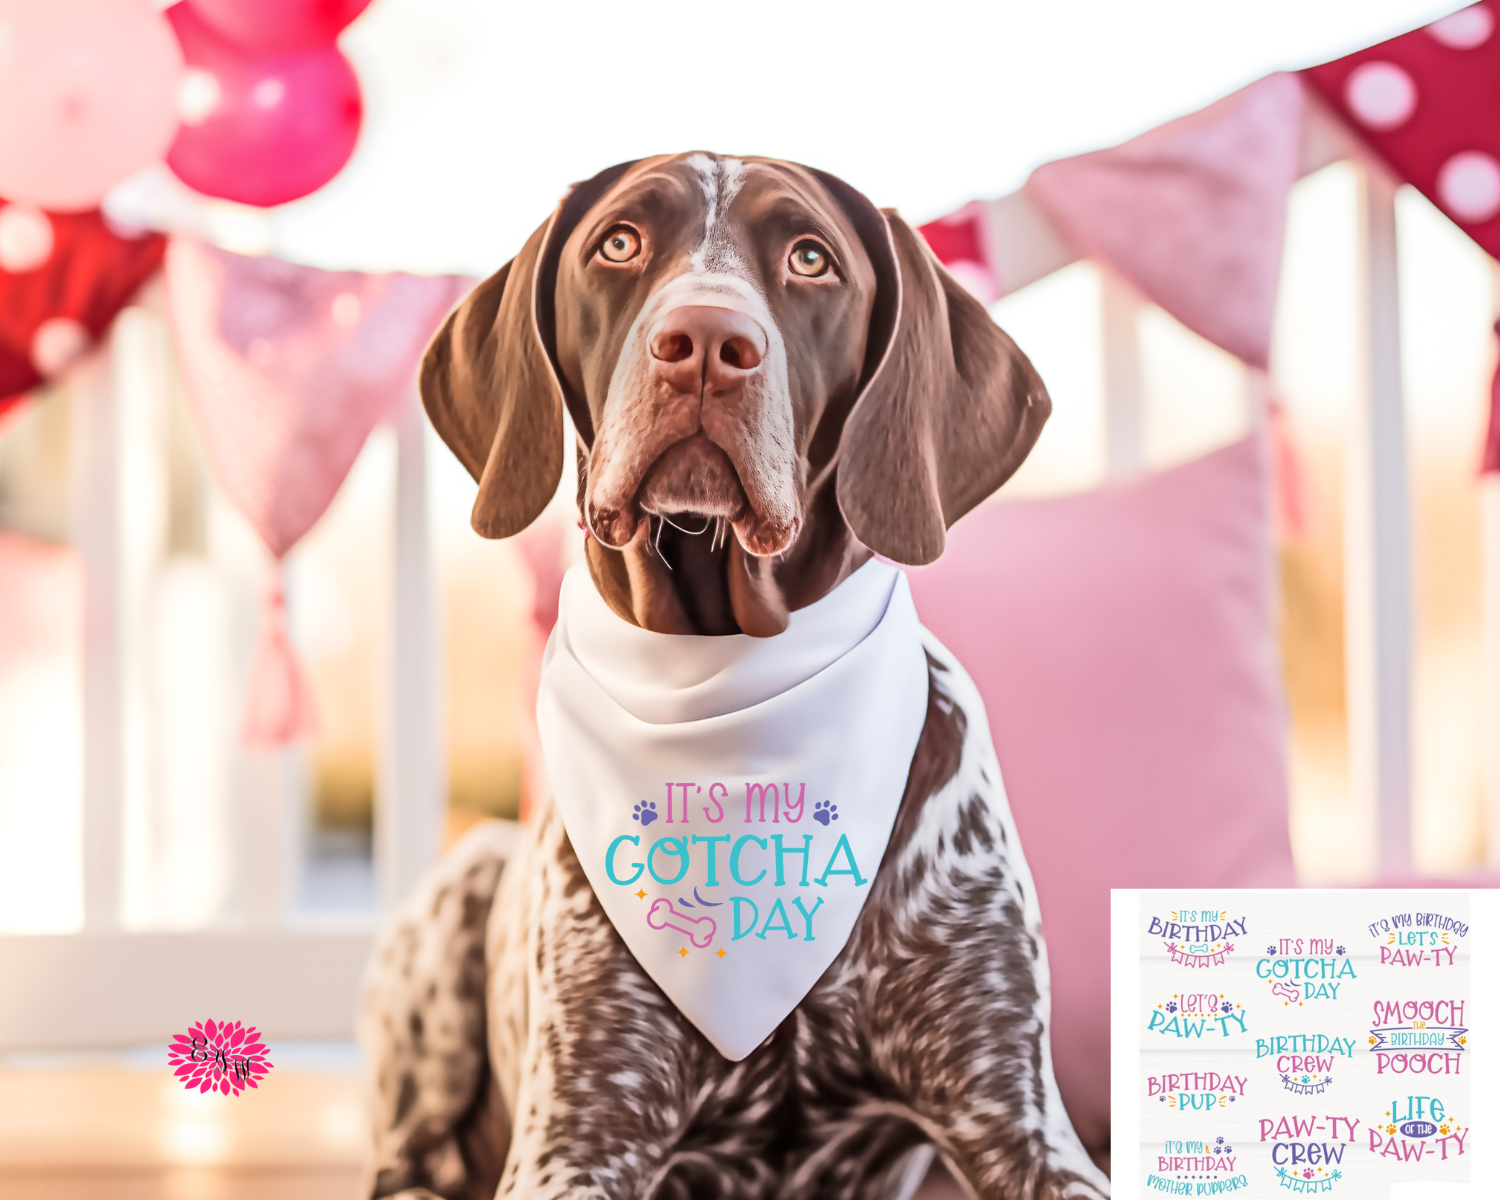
(734, 860)
(807, 916)
(713, 866)
(680, 852)
(609, 859)
(853, 868)
(806, 853)
(786, 922)
(747, 930)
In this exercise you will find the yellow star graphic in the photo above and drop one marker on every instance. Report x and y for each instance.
(721, 953)
(683, 952)
(641, 895)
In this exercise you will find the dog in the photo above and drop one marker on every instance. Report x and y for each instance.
(749, 344)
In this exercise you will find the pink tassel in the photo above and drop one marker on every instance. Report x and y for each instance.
(1491, 461)
(279, 707)
(1290, 478)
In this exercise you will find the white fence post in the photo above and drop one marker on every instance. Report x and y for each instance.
(1378, 625)
(1489, 499)
(1489, 525)
(95, 472)
(411, 795)
(273, 814)
(1124, 385)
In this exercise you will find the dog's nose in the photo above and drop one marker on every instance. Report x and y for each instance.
(699, 345)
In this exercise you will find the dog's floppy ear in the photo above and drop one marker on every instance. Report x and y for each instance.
(950, 406)
(489, 379)
(488, 388)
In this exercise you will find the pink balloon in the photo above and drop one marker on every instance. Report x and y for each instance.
(278, 24)
(261, 128)
(87, 92)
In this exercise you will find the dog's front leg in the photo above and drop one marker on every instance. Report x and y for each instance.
(947, 973)
(618, 1097)
(439, 1120)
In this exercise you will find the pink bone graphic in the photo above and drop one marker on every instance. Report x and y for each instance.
(1288, 990)
(700, 930)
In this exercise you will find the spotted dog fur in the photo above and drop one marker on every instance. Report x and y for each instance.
(439, 1122)
(928, 1031)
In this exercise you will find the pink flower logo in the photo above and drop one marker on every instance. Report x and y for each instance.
(213, 1056)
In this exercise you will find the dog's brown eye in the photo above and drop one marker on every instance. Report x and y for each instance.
(621, 244)
(809, 259)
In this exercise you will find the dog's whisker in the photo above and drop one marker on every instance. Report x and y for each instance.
(707, 521)
(658, 522)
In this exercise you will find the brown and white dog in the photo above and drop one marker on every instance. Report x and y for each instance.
(748, 346)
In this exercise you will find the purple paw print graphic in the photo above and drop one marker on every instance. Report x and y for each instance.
(823, 812)
(1171, 1006)
(1226, 1007)
(1270, 949)
(644, 812)
(1338, 949)
(1221, 1148)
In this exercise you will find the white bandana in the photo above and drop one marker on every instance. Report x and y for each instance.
(730, 798)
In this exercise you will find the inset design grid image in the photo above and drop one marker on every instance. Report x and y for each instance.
(1303, 1042)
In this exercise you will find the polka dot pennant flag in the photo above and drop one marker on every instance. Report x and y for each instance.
(63, 277)
(1428, 102)
(961, 241)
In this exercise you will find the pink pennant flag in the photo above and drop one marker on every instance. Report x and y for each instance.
(1192, 213)
(288, 369)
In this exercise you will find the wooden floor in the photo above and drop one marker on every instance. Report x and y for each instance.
(184, 1183)
(106, 1131)
(117, 1133)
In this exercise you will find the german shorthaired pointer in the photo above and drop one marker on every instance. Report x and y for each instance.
(750, 341)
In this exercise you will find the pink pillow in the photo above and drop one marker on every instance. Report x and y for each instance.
(1124, 645)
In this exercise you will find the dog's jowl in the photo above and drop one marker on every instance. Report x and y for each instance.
(774, 935)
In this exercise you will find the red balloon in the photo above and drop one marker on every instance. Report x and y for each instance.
(260, 128)
(278, 24)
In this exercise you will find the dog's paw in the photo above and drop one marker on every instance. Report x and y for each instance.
(823, 812)
(645, 812)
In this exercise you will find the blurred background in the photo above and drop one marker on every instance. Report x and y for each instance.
(230, 244)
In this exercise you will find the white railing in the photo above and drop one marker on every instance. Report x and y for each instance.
(257, 957)
(294, 975)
